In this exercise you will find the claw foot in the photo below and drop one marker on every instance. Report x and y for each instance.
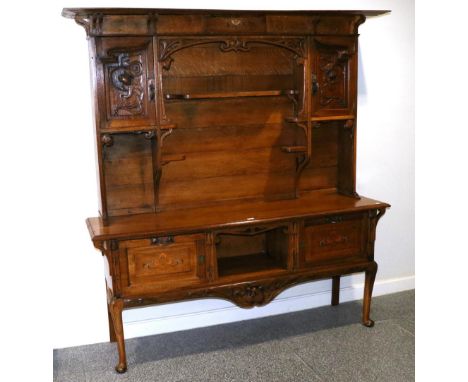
(368, 323)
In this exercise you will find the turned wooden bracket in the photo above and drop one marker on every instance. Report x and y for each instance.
(304, 152)
(374, 217)
(157, 137)
(91, 23)
(100, 245)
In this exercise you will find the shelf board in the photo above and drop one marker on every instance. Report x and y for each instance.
(136, 129)
(321, 119)
(227, 215)
(256, 93)
(294, 149)
(234, 265)
(332, 118)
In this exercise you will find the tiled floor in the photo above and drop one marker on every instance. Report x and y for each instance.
(323, 344)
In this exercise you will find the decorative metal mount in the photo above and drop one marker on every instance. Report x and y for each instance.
(349, 125)
(107, 140)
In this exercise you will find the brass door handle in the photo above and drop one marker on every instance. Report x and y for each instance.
(151, 90)
(315, 84)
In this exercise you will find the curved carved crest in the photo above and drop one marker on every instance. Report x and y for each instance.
(168, 47)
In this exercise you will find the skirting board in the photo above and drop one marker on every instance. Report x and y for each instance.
(201, 313)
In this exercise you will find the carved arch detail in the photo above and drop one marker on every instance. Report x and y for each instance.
(168, 47)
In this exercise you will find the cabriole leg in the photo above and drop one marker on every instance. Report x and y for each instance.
(335, 290)
(112, 336)
(368, 286)
(115, 308)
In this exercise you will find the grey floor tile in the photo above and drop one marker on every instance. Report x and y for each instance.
(137, 373)
(396, 305)
(70, 377)
(356, 353)
(406, 324)
(327, 343)
(258, 363)
(68, 365)
(266, 362)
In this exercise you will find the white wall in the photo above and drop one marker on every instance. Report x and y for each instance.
(48, 156)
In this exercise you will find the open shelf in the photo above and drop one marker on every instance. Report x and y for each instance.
(257, 93)
(253, 249)
(257, 262)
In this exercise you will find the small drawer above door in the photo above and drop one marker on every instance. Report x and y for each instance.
(163, 263)
(333, 239)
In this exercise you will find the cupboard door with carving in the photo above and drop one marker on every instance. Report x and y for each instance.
(334, 72)
(162, 263)
(126, 82)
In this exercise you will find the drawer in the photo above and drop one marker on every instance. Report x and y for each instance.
(332, 239)
(162, 263)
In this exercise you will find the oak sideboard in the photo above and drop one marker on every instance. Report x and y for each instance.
(226, 155)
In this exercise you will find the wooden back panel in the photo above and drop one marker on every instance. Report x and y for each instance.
(203, 118)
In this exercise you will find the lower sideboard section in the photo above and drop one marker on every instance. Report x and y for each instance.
(246, 264)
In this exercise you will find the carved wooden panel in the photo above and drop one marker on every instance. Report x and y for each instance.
(333, 238)
(163, 262)
(127, 93)
(333, 80)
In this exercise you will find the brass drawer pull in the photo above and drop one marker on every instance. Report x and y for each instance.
(163, 240)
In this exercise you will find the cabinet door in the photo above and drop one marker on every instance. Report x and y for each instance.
(126, 82)
(162, 263)
(331, 239)
(334, 74)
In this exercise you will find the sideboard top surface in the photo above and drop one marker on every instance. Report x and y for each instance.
(312, 204)
(72, 12)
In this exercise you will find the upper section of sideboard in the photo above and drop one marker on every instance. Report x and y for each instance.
(140, 21)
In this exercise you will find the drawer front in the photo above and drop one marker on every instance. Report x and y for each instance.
(164, 263)
(333, 239)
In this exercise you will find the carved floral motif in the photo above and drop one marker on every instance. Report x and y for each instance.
(333, 239)
(163, 261)
(332, 75)
(126, 91)
(256, 294)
